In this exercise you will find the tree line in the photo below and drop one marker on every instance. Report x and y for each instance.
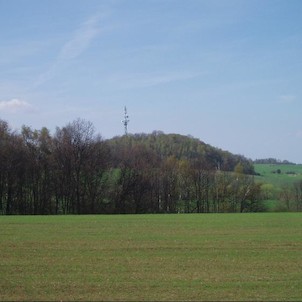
(273, 161)
(290, 197)
(75, 171)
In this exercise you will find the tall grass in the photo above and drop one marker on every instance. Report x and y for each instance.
(152, 257)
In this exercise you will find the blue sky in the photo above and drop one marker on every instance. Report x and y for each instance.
(226, 72)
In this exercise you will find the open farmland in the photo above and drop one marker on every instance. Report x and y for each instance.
(275, 179)
(152, 257)
(288, 174)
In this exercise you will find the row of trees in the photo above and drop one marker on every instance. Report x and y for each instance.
(273, 161)
(41, 174)
(74, 171)
(290, 197)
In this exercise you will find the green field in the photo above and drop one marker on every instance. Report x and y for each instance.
(274, 183)
(152, 257)
(279, 179)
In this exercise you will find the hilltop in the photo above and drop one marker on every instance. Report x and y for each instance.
(182, 148)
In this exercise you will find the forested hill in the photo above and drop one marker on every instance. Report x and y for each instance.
(75, 171)
(181, 147)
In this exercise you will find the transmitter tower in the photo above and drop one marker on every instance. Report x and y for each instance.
(126, 120)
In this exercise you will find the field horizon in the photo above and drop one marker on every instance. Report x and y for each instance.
(166, 257)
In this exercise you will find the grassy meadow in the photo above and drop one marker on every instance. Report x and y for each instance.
(289, 174)
(274, 183)
(152, 257)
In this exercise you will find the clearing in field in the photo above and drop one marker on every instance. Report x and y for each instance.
(152, 257)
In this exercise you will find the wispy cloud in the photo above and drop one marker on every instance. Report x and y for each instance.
(76, 45)
(287, 98)
(81, 39)
(15, 105)
(141, 80)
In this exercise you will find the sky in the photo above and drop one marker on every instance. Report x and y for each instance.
(227, 72)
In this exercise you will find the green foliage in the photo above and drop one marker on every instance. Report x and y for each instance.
(76, 172)
(219, 257)
(182, 147)
(273, 161)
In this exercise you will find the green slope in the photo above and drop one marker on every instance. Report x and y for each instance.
(276, 177)
(287, 176)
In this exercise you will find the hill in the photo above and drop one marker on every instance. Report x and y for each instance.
(75, 171)
(182, 148)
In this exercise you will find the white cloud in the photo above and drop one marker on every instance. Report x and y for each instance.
(15, 105)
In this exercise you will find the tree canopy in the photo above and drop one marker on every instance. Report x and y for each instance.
(76, 171)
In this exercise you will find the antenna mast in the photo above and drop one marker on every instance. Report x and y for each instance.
(126, 120)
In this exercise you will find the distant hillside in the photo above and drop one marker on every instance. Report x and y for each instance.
(273, 161)
(182, 147)
(281, 185)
